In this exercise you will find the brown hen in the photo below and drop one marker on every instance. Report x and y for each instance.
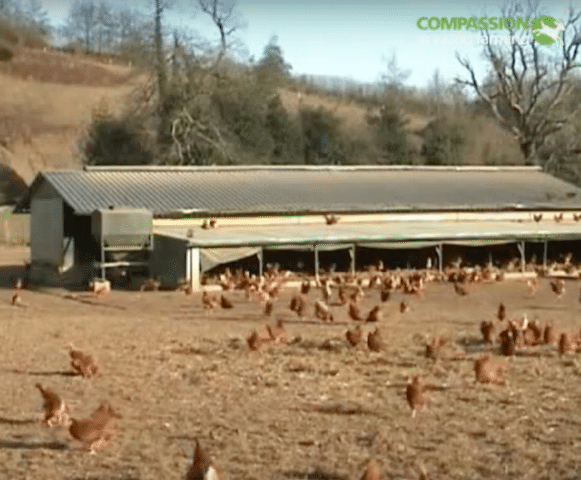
(375, 341)
(415, 395)
(202, 467)
(278, 333)
(567, 343)
(372, 471)
(354, 336)
(56, 412)
(375, 315)
(487, 370)
(83, 363)
(96, 431)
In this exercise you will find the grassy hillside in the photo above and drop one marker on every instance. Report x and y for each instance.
(52, 94)
(49, 104)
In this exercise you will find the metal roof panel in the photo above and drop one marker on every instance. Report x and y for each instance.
(270, 190)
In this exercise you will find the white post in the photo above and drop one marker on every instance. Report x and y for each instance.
(440, 253)
(260, 262)
(545, 251)
(352, 255)
(316, 251)
(521, 249)
(193, 268)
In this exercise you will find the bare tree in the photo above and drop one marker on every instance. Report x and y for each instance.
(196, 131)
(528, 82)
(161, 68)
(227, 20)
(81, 23)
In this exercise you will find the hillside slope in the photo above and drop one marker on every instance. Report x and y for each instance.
(49, 101)
(51, 96)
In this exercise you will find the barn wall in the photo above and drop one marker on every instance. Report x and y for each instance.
(46, 229)
(168, 259)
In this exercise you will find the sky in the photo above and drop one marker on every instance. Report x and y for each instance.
(346, 38)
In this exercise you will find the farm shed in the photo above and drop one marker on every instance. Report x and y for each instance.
(258, 209)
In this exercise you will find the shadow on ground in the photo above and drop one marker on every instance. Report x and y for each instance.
(32, 445)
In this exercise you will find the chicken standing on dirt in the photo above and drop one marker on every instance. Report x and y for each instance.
(567, 344)
(355, 312)
(375, 315)
(298, 305)
(415, 395)
(202, 467)
(385, 294)
(56, 412)
(255, 340)
(487, 370)
(268, 308)
(17, 300)
(208, 301)
(96, 431)
(83, 363)
(225, 303)
(501, 315)
(549, 334)
(372, 471)
(354, 336)
(558, 287)
(375, 341)
(277, 333)
(508, 342)
(488, 331)
(533, 286)
(434, 348)
(322, 311)
(460, 290)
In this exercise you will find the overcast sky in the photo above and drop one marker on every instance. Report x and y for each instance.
(347, 38)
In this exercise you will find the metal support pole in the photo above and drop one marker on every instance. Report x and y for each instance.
(521, 249)
(102, 260)
(316, 264)
(545, 251)
(352, 254)
(440, 253)
(260, 261)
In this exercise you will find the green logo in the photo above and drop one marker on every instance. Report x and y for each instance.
(547, 31)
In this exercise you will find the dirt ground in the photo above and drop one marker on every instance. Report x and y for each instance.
(313, 409)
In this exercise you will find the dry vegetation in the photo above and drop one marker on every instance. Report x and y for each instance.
(485, 139)
(315, 408)
(52, 95)
(51, 99)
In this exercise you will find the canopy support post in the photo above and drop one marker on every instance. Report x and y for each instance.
(545, 252)
(316, 251)
(260, 261)
(352, 255)
(440, 253)
(521, 249)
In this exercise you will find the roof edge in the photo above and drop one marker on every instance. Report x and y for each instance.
(222, 168)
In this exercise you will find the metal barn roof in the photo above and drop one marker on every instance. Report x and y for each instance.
(200, 191)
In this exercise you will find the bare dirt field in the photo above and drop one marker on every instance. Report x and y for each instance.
(315, 408)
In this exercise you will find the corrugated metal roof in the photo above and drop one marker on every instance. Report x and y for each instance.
(365, 233)
(268, 190)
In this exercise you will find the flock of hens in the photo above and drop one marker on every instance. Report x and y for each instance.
(338, 291)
